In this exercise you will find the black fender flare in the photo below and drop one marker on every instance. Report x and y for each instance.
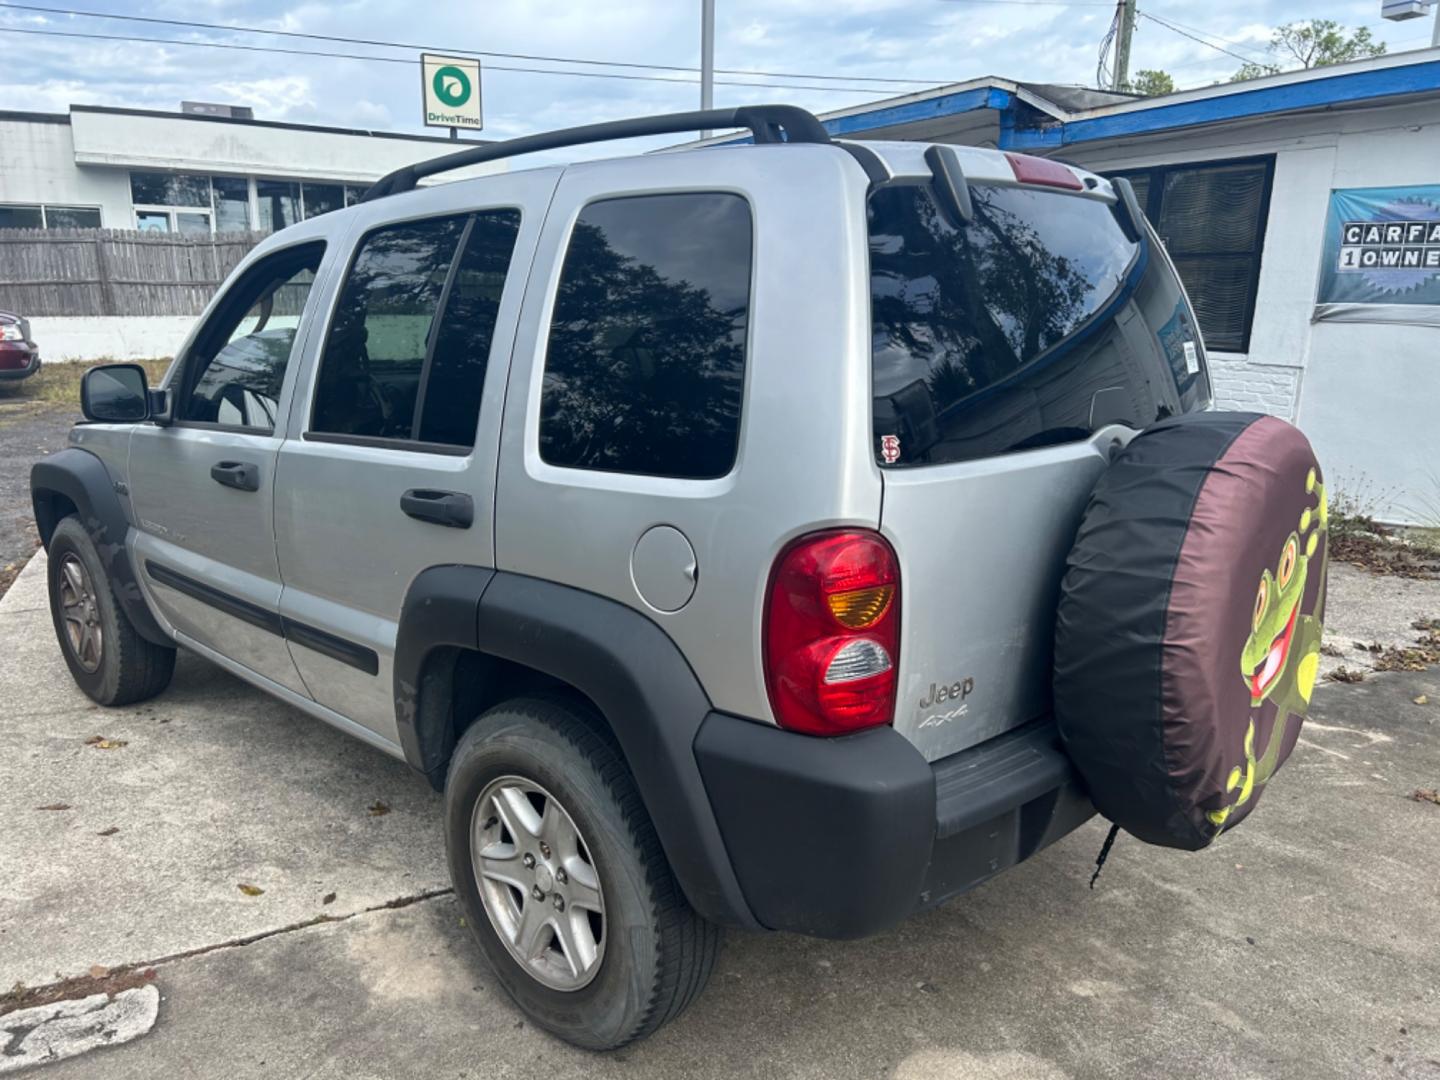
(82, 478)
(614, 655)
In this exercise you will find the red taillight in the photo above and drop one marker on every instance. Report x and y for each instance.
(832, 633)
(1035, 170)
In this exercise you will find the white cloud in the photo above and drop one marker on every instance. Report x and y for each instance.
(939, 40)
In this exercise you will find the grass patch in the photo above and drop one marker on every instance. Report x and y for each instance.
(58, 383)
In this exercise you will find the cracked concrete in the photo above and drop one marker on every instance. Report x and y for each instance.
(217, 785)
(1305, 945)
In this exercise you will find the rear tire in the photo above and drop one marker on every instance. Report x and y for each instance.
(108, 659)
(652, 954)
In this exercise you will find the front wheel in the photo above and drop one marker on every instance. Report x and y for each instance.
(563, 881)
(108, 659)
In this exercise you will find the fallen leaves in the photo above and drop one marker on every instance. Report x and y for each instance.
(1426, 795)
(378, 809)
(111, 831)
(1417, 657)
(100, 742)
(328, 898)
(1346, 675)
(55, 806)
(98, 971)
(1363, 542)
(1423, 699)
(250, 890)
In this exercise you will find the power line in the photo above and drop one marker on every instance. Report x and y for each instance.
(235, 46)
(1185, 33)
(1260, 50)
(195, 25)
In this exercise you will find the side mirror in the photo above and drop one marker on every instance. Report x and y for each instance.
(115, 394)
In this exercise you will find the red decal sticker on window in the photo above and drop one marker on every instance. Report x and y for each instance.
(890, 448)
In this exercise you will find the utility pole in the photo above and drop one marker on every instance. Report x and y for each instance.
(707, 57)
(1122, 44)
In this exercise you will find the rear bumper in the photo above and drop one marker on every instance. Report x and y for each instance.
(18, 363)
(842, 838)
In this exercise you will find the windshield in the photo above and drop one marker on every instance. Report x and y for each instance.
(1036, 322)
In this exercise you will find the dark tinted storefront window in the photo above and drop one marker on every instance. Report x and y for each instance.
(322, 198)
(169, 189)
(279, 202)
(645, 366)
(232, 203)
(1033, 324)
(1211, 218)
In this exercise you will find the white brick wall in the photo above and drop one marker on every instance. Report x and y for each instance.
(1241, 384)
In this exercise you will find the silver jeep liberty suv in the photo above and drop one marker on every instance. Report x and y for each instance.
(694, 521)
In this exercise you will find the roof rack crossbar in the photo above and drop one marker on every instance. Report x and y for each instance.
(769, 123)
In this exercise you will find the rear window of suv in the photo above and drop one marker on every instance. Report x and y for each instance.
(1035, 323)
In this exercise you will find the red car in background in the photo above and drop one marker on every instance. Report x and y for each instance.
(19, 356)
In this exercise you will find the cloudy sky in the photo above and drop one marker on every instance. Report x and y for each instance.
(932, 41)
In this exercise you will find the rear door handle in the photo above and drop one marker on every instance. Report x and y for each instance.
(236, 474)
(449, 508)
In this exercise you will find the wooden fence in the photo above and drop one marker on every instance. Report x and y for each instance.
(62, 272)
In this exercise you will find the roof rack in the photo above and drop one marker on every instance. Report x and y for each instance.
(769, 123)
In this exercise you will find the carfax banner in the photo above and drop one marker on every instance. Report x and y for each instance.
(1382, 256)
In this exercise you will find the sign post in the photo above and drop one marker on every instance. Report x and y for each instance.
(451, 91)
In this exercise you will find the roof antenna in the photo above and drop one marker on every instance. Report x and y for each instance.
(1104, 854)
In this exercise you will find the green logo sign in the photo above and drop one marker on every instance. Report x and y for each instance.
(451, 86)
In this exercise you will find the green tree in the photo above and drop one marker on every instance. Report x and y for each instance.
(1311, 44)
(1152, 83)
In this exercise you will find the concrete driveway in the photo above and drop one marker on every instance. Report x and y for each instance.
(1306, 944)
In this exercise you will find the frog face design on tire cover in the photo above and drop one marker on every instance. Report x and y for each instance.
(1281, 657)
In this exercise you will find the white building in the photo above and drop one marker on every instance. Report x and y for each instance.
(1251, 185)
(212, 169)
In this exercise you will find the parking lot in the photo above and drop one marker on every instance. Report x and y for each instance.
(1306, 944)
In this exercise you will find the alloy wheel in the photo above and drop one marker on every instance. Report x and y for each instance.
(81, 612)
(538, 882)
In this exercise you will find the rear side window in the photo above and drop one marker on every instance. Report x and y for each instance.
(1034, 323)
(645, 364)
(409, 343)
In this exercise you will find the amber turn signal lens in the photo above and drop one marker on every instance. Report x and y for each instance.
(859, 608)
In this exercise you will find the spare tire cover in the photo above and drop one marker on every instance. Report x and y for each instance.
(1188, 632)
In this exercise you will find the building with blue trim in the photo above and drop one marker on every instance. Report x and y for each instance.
(1239, 180)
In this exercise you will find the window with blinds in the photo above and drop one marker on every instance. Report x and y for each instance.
(1212, 217)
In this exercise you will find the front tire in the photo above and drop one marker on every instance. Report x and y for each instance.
(574, 903)
(108, 659)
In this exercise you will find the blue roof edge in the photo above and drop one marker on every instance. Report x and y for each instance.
(1340, 89)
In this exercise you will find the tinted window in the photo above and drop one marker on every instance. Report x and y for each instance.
(1034, 323)
(235, 371)
(72, 217)
(322, 198)
(21, 217)
(388, 370)
(232, 203)
(169, 189)
(645, 366)
(451, 407)
(1212, 220)
(279, 203)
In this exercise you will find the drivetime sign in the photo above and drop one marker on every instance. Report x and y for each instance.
(451, 91)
